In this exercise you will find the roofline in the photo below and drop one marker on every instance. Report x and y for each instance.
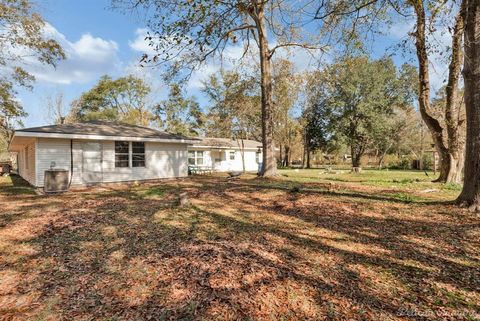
(225, 147)
(20, 133)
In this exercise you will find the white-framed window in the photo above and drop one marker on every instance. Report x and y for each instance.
(232, 155)
(129, 154)
(138, 154)
(122, 154)
(257, 157)
(195, 157)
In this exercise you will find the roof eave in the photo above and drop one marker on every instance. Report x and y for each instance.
(105, 137)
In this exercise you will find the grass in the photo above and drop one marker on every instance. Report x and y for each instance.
(304, 246)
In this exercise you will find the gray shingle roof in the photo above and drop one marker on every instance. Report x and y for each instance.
(227, 143)
(103, 128)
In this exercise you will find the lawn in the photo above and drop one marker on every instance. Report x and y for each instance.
(309, 245)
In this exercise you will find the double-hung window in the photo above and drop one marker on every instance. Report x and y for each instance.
(138, 154)
(122, 150)
(232, 155)
(129, 154)
(195, 157)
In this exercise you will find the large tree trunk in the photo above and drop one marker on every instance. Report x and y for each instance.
(470, 195)
(356, 156)
(286, 157)
(451, 155)
(269, 165)
(455, 125)
(432, 123)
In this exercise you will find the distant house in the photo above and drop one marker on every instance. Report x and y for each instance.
(223, 154)
(100, 152)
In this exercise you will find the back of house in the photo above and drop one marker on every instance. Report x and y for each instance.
(100, 152)
(107, 152)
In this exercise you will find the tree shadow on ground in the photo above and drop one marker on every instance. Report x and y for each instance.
(238, 253)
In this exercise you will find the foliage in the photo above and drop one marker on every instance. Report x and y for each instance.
(180, 115)
(123, 99)
(286, 90)
(235, 109)
(354, 100)
(22, 37)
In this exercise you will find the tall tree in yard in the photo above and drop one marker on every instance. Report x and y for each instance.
(470, 195)
(22, 35)
(446, 135)
(201, 29)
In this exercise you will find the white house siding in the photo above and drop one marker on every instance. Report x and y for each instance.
(163, 160)
(220, 160)
(26, 163)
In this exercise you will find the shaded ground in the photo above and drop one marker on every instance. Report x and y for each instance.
(253, 249)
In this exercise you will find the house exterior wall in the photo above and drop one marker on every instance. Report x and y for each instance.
(26, 162)
(163, 160)
(220, 160)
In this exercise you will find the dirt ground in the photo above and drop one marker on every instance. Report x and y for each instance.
(252, 249)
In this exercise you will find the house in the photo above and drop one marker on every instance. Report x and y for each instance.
(100, 152)
(223, 154)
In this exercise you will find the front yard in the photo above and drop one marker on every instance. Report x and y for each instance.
(306, 246)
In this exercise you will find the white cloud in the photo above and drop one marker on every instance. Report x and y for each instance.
(230, 58)
(86, 59)
(139, 43)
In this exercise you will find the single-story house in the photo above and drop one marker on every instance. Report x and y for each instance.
(223, 154)
(100, 152)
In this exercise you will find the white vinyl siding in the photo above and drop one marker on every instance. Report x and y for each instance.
(163, 160)
(221, 160)
(26, 163)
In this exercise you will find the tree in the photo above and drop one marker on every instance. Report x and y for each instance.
(201, 29)
(450, 148)
(353, 102)
(55, 105)
(470, 195)
(22, 37)
(180, 115)
(235, 110)
(123, 99)
(286, 88)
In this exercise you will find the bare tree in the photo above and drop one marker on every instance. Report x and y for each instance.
(55, 104)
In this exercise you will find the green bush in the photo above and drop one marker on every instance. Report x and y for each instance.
(403, 163)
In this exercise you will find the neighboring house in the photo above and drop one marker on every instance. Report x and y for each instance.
(223, 154)
(100, 152)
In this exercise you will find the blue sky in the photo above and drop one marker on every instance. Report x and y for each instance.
(101, 41)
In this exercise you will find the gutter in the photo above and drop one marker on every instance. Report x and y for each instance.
(105, 137)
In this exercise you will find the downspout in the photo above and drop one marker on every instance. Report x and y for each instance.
(71, 163)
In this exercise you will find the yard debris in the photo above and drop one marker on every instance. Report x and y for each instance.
(245, 251)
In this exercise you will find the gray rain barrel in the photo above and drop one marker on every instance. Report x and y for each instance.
(56, 180)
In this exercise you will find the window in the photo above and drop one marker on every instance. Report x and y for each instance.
(138, 154)
(257, 157)
(232, 155)
(121, 154)
(195, 157)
